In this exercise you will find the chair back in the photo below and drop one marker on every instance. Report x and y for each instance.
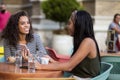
(2, 59)
(1, 49)
(105, 71)
(2, 54)
(58, 57)
(46, 79)
(111, 43)
(115, 72)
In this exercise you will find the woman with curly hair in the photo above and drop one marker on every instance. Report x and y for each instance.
(19, 32)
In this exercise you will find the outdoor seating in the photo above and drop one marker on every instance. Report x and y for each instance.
(56, 56)
(1, 49)
(115, 72)
(105, 71)
(2, 59)
(1, 54)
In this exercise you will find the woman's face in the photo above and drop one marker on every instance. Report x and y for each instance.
(2, 7)
(117, 19)
(24, 25)
(70, 26)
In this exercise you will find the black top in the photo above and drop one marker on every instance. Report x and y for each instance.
(88, 68)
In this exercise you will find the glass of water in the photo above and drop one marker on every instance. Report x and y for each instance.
(31, 64)
(18, 58)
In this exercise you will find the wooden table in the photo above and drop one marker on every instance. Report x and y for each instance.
(10, 72)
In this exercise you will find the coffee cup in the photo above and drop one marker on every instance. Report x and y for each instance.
(44, 60)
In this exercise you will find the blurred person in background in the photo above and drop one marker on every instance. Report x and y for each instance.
(4, 16)
(115, 26)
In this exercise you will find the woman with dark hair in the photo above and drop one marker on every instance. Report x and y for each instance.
(114, 30)
(84, 63)
(18, 35)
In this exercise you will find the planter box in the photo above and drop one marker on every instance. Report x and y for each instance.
(63, 44)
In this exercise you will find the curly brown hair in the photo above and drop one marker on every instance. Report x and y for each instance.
(11, 31)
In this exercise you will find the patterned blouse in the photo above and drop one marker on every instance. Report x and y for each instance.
(34, 46)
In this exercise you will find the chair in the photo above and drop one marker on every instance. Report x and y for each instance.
(46, 79)
(111, 43)
(105, 71)
(1, 54)
(115, 72)
(1, 49)
(58, 57)
(2, 59)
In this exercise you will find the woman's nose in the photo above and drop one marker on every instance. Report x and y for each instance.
(27, 25)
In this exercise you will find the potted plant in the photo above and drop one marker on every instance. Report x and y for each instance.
(60, 11)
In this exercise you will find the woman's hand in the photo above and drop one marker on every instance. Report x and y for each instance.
(25, 52)
(11, 59)
(51, 60)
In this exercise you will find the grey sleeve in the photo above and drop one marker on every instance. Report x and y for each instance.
(7, 51)
(40, 46)
(112, 25)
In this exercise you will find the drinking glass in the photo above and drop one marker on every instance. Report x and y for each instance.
(31, 64)
(18, 58)
(17, 69)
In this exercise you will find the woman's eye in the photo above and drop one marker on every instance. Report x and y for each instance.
(28, 22)
(22, 23)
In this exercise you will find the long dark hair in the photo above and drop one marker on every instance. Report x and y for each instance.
(11, 32)
(83, 27)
